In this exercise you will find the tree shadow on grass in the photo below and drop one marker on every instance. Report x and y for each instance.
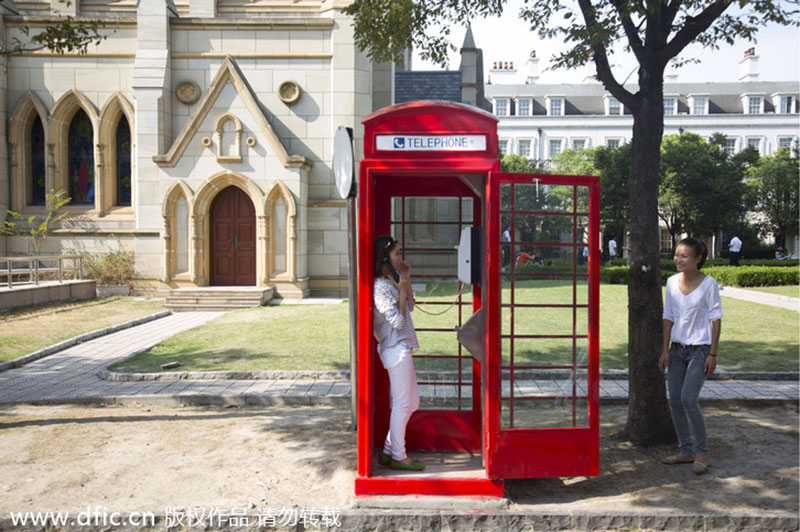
(192, 359)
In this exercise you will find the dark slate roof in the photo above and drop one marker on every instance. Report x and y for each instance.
(411, 86)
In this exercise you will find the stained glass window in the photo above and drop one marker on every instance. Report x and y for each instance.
(123, 162)
(38, 191)
(81, 159)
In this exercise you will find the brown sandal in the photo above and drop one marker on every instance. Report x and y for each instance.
(678, 459)
(699, 467)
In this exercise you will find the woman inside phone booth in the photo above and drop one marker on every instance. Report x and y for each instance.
(394, 331)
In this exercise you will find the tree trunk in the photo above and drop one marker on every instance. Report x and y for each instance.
(649, 421)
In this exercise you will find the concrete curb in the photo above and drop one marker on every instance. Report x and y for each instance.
(47, 351)
(342, 401)
(344, 375)
(421, 519)
(221, 375)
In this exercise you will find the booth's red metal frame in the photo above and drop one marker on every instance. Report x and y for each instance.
(506, 453)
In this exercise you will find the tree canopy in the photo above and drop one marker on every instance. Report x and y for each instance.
(702, 189)
(66, 34)
(774, 182)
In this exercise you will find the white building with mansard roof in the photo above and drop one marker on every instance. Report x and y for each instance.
(199, 135)
(540, 120)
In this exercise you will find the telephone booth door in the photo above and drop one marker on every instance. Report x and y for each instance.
(542, 391)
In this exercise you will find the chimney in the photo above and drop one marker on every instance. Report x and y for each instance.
(748, 66)
(532, 68)
(671, 72)
(504, 72)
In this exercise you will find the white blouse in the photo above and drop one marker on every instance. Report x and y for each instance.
(691, 315)
(391, 327)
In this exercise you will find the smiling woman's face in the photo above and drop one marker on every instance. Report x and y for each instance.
(685, 259)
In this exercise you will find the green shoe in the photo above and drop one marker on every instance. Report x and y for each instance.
(384, 459)
(412, 465)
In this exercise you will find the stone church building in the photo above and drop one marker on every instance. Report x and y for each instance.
(198, 135)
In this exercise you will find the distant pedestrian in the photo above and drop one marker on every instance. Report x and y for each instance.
(692, 320)
(734, 248)
(505, 249)
(612, 250)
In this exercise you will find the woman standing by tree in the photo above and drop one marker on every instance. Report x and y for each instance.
(692, 320)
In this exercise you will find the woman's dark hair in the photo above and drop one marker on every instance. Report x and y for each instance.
(384, 245)
(698, 247)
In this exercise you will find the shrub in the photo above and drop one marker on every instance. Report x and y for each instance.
(619, 275)
(762, 252)
(724, 275)
(666, 264)
(754, 275)
(115, 267)
(614, 275)
(756, 262)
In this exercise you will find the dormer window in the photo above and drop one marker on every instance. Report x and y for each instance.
(698, 105)
(753, 104)
(613, 106)
(784, 103)
(670, 105)
(501, 107)
(555, 106)
(524, 107)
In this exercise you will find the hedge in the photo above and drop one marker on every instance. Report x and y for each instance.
(754, 275)
(724, 275)
(778, 263)
(619, 275)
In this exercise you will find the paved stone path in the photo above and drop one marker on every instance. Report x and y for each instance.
(764, 298)
(71, 375)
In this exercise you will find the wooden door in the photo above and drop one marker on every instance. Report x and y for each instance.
(233, 239)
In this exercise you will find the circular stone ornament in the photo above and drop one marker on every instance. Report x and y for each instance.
(289, 92)
(206, 141)
(251, 141)
(343, 162)
(187, 92)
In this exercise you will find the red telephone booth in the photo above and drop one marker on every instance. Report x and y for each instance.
(527, 404)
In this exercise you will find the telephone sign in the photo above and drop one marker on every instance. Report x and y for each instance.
(430, 142)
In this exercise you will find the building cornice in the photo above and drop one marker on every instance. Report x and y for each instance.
(255, 23)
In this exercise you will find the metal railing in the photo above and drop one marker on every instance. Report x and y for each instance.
(36, 266)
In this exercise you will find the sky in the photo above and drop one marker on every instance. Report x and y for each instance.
(509, 39)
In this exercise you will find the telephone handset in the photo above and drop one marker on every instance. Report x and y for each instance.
(388, 263)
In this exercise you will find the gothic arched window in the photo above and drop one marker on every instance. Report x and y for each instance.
(38, 189)
(80, 146)
(123, 145)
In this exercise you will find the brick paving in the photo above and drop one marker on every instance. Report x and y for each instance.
(72, 375)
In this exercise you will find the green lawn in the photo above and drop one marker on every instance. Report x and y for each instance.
(315, 337)
(29, 329)
(787, 290)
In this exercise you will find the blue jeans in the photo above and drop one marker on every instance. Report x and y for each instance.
(685, 379)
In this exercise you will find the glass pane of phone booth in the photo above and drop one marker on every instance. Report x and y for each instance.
(544, 306)
(428, 230)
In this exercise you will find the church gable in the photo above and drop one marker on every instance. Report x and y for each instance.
(217, 123)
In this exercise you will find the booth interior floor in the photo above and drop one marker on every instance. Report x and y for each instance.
(440, 465)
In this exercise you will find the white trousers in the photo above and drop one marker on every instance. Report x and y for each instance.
(405, 400)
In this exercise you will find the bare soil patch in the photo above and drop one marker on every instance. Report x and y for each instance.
(148, 458)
